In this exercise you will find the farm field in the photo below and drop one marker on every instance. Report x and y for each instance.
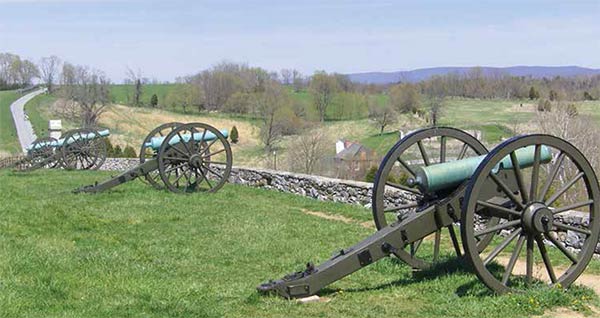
(138, 252)
(497, 119)
(9, 142)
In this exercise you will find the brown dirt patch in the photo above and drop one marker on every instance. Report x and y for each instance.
(339, 218)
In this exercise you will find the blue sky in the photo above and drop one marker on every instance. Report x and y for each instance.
(166, 39)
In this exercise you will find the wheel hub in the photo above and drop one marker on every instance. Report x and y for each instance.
(537, 218)
(196, 161)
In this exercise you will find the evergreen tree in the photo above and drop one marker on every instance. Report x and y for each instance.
(117, 152)
(234, 135)
(533, 94)
(154, 100)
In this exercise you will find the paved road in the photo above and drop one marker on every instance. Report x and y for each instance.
(24, 128)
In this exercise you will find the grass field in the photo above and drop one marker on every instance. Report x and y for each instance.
(38, 111)
(137, 252)
(9, 142)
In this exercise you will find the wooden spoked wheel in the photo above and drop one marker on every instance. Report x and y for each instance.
(81, 153)
(194, 157)
(421, 148)
(147, 152)
(40, 155)
(536, 218)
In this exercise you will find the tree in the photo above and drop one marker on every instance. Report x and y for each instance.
(234, 135)
(88, 90)
(50, 68)
(553, 95)
(435, 109)
(323, 88)
(297, 81)
(533, 93)
(286, 76)
(588, 96)
(185, 95)
(269, 105)
(117, 152)
(154, 100)
(136, 79)
(382, 115)
(308, 150)
(405, 98)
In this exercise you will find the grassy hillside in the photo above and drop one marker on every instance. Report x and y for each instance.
(137, 252)
(9, 142)
(39, 111)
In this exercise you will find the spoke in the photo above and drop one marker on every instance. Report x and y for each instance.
(442, 149)
(463, 151)
(407, 167)
(423, 153)
(436, 245)
(564, 189)
(513, 260)
(501, 246)
(551, 176)
(182, 141)
(562, 248)
(175, 158)
(572, 228)
(506, 190)
(529, 260)
(454, 240)
(402, 207)
(174, 147)
(212, 171)
(572, 206)
(519, 176)
(498, 228)
(545, 258)
(498, 208)
(173, 167)
(205, 178)
(213, 153)
(402, 187)
(208, 147)
(535, 172)
(176, 181)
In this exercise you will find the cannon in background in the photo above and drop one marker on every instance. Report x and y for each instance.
(78, 149)
(505, 201)
(182, 158)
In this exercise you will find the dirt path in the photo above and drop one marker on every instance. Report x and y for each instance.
(24, 129)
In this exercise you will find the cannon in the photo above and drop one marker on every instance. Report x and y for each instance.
(78, 149)
(182, 158)
(517, 196)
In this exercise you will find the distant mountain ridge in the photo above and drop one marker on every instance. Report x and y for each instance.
(422, 74)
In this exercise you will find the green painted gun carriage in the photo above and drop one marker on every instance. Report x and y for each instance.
(78, 149)
(511, 206)
(182, 158)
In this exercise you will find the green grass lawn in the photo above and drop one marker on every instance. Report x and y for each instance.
(137, 252)
(9, 141)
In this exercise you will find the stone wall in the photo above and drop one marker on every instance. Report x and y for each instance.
(345, 191)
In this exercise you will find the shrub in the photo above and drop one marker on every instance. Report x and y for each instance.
(154, 100)
(544, 105)
(129, 152)
(234, 135)
(370, 176)
(117, 152)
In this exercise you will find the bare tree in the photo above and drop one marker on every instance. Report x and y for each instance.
(308, 150)
(382, 115)
(135, 77)
(323, 88)
(286, 76)
(297, 81)
(269, 105)
(50, 68)
(405, 98)
(435, 109)
(87, 90)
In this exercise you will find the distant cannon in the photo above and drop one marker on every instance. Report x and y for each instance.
(182, 158)
(78, 149)
(516, 197)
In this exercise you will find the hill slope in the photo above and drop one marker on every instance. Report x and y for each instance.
(426, 73)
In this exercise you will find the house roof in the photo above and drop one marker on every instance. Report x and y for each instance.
(352, 151)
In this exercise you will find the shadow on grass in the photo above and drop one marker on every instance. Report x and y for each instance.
(447, 267)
